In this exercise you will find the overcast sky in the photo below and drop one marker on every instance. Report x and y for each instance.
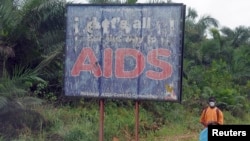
(230, 13)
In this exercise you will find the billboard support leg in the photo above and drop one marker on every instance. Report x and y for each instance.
(101, 120)
(136, 120)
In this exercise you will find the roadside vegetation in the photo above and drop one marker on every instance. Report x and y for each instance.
(34, 108)
(79, 121)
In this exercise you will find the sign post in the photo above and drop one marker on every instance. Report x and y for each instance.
(137, 120)
(101, 119)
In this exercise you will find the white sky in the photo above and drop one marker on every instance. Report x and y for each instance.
(230, 13)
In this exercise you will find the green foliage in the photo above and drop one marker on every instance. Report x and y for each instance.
(19, 82)
(240, 65)
(82, 123)
(3, 101)
(78, 135)
(30, 102)
(118, 122)
(39, 38)
(19, 121)
(9, 19)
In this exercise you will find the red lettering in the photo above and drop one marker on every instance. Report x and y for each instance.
(107, 63)
(153, 60)
(81, 63)
(87, 61)
(121, 53)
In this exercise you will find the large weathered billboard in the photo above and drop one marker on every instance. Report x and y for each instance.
(124, 51)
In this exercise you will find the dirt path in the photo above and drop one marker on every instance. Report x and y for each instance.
(185, 137)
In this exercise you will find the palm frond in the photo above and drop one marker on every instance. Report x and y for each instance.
(49, 59)
(23, 74)
(9, 88)
(28, 102)
(191, 14)
(10, 18)
(3, 101)
(19, 82)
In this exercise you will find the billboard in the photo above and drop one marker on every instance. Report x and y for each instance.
(124, 51)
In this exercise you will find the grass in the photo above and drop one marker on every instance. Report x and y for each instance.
(81, 123)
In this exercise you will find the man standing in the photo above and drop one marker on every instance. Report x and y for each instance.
(211, 115)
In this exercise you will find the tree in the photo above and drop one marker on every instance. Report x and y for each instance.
(10, 19)
(197, 30)
(195, 33)
(44, 22)
(236, 45)
(37, 37)
(34, 33)
(236, 38)
(240, 66)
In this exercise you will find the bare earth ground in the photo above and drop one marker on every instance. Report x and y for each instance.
(185, 137)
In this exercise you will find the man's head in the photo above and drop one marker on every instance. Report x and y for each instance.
(211, 102)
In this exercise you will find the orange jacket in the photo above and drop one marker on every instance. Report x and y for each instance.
(211, 115)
